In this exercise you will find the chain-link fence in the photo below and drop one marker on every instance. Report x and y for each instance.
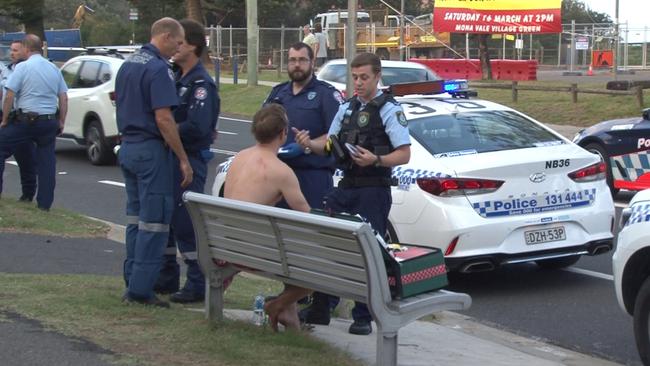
(577, 45)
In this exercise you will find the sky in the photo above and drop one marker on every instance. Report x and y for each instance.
(636, 12)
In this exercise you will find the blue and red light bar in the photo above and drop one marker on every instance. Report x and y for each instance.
(457, 88)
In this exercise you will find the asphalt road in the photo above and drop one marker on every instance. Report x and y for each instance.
(574, 308)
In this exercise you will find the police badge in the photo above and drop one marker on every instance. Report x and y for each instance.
(311, 95)
(364, 118)
(401, 118)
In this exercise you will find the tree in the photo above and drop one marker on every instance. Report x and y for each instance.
(28, 13)
(194, 10)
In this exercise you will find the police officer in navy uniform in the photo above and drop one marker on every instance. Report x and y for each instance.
(146, 93)
(25, 153)
(311, 105)
(374, 123)
(196, 115)
(41, 105)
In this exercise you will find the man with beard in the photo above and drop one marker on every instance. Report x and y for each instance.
(311, 105)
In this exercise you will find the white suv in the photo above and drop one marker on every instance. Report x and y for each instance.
(631, 264)
(91, 105)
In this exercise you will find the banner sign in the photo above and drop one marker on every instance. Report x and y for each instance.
(497, 16)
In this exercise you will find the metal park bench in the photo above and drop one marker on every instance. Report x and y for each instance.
(326, 254)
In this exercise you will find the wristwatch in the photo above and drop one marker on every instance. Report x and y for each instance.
(378, 161)
(307, 150)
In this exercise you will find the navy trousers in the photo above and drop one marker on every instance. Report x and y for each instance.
(42, 136)
(372, 203)
(148, 174)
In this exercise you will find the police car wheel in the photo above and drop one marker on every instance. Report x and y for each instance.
(641, 322)
(98, 151)
(557, 263)
(599, 150)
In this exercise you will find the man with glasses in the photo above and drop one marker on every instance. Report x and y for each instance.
(311, 104)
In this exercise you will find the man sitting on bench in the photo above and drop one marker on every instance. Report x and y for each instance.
(257, 175)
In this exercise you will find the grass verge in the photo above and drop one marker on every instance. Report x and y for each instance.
(242, 100)
(20, 217)
(557, 107)
(547, 107)
(89, 307)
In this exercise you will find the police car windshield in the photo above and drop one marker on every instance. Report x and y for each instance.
(479, 132)
(389, 75)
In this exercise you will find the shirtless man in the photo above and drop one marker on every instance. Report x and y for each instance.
(257, 175)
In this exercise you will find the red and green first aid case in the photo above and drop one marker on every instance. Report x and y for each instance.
(415, 270)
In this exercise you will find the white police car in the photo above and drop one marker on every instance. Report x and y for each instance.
(631, 264)
(491, 186)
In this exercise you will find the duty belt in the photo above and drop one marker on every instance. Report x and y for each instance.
(33, 117)
(359, 182)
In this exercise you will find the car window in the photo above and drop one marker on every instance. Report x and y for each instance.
(88, 74)
(104, 74)
(70, 74)
(425, 19)
(392, 75)
(480, 132)
(335, 73)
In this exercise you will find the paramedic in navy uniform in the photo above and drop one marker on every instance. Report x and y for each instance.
(146, 93)
(196, 115)
(41, 106)
(375, 123)
(311, 104)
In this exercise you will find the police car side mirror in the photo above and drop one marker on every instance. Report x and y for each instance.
(646, 114)
(625, 215)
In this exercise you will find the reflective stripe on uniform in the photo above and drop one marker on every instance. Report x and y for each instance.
(190, 256)
(132, 220)
(153, 227)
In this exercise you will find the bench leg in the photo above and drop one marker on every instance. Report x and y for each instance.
(214, 296)
(386, 348)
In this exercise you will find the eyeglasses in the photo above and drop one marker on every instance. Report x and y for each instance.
(301, 60)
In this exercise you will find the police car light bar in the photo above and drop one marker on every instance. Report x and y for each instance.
(457, 88)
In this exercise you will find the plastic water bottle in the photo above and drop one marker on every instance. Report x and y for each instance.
(258, 310)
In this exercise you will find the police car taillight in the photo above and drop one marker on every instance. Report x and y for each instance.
(457, 88)
(450, 187)
(589, 174)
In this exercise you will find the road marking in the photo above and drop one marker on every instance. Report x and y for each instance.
(236, 119)
(12, 162)
(220, 151)
(228, 133)
(621, 205)
(112, 183)
(587, 272)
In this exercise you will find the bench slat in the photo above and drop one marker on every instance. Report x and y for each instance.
(325, 237)
(225, 231)
(339, 285)
(238, 219)
(245, 260)
(327, 268)
(309, 248)
(243, 247)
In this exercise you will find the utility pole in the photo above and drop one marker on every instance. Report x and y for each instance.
(616, 41)
(351, 43)
(402, 51)
(251, 41)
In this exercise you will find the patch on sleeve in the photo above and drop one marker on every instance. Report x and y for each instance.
(200, 93)
(401, 118)
(338, 97)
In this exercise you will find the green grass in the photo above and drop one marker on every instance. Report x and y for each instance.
(557, 107)
(548, 107)
(90, 307)
(242, 100)
(20, 217)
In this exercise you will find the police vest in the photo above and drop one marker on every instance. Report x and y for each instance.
(366, 129)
